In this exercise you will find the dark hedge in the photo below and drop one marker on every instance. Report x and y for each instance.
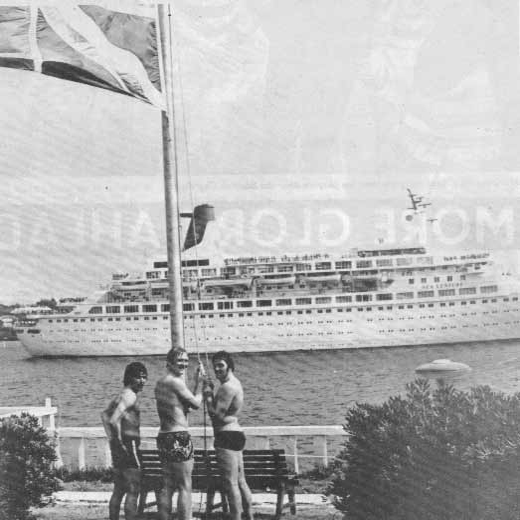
(434, 454)
(26, 474)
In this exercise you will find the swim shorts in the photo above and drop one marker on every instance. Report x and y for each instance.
(124, 458)
(174, 447)
(230, 440)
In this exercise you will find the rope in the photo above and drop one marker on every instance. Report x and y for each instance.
(188, 168)
(191, 197)
(192, 204)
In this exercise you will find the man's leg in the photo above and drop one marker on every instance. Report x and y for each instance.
(228, 462)
(164, 505)
(133, 485)
(245, 492)
(114, 505)
(182, 472)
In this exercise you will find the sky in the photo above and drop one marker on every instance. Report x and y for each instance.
(302, 122)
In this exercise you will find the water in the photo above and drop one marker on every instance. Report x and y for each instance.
(295, 388)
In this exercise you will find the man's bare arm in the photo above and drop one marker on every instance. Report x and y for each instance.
(112, 423)
(218, 404)
(186, 396)
(105, 419)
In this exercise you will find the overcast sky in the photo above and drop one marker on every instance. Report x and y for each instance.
(302, 122)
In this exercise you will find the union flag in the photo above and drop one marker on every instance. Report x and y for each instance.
(114, 50)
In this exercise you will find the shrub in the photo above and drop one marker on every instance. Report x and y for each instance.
(317, 472)
(26, 474)
(91, 474)
(433, 454)
(315, 480)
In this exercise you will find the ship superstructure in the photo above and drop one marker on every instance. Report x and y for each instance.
(364, 298)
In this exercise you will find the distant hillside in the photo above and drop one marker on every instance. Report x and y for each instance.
(6, 309)
(45, 302)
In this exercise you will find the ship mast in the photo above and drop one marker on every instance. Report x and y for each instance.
(170, 182)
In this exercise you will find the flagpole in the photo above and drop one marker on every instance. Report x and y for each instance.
(170, 184)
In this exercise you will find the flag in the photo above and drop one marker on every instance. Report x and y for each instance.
(89, 44)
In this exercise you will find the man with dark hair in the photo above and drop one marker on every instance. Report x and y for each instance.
(174, 400)
(121, 423)
(223, 408)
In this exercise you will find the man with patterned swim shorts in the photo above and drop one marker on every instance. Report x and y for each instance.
(121, 421)
(224, 408)
(174, 400)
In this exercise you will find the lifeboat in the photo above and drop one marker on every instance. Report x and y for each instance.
(162, 284)
(289, 279)
(323, 277)
(130, 285)
(228, 282)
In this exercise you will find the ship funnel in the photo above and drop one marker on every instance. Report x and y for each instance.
(199, 219)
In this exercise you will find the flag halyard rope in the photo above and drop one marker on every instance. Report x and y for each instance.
(192, 205)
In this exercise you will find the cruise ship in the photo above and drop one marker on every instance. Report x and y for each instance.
(362, 298)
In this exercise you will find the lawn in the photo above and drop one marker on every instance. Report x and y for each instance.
(100, 512)
(312, 482)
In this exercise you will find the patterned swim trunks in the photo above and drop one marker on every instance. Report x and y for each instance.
(174, 447)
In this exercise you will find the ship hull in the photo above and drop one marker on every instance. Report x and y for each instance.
(438, 322)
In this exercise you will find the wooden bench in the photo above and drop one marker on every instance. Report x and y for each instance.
(265, 470)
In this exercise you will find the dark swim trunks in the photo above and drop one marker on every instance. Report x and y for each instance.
(174, 447)
(124, 459)
(230, 440)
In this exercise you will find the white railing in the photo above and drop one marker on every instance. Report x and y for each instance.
(45, 414)
(82, 447)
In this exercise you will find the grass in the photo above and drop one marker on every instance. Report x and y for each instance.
(313, 481)
(100, 479)
(100, 512)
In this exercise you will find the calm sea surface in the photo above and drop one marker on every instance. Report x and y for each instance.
(296, 388)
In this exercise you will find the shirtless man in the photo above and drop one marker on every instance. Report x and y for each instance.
(121, 423)
(223, 408)
(174, 401)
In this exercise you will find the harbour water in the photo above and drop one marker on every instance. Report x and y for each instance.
(295, 388)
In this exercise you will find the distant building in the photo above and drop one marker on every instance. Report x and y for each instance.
(6, 321)
(32, 310)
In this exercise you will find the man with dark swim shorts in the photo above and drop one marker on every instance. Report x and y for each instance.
(223, 408)
(174, 400)
(121, 422)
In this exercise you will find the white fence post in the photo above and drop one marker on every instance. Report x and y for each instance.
(108, 454)
(320, 445)
(52, 424)
(81, 453)
(295, 451)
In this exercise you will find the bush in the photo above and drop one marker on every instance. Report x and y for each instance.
(26, 474)
(91, 474)
(314, 480)
(434, 454)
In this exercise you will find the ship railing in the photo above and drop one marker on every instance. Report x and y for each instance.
(305, 446)
(273, 259)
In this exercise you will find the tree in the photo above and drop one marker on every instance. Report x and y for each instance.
(46, 302)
